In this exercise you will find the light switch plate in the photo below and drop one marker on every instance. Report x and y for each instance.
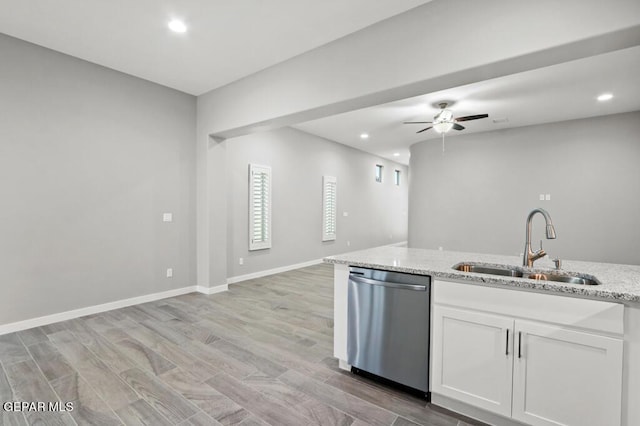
(541, 197)
(169, 272)
(167, 217)
(547, 197)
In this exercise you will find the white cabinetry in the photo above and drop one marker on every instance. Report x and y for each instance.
(539, 359)
(566, 377)
(471, 358)
(340, 286)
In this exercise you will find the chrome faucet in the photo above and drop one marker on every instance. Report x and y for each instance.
(529, 256)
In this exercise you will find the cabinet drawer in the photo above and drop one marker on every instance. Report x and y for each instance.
(585, 314)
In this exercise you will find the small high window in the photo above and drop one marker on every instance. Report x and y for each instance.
(396, 177)
(379, 168)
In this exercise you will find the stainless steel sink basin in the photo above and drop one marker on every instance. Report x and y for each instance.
(571, 279)
(518, 272)
(491, 270)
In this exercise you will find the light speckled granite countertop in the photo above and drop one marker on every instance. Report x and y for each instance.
(618, 282)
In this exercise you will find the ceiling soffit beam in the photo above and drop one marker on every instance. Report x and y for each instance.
(617, 40)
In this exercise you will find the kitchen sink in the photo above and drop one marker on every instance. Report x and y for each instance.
(519, 272)
(571, 279)
(491, 270)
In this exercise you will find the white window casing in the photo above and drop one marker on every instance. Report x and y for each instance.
(259, 207)
(329, 208)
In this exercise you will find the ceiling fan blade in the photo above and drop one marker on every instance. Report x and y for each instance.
(456, 126)
(420, 131)
(418, 122)
(472, 117)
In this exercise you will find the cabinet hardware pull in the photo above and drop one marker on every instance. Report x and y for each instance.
(519, 344)
(506, 350)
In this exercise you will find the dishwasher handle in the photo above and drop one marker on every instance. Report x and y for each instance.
(363, 280)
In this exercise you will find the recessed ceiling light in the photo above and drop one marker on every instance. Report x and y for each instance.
(177, 26)
(396, 154)
(364, 136)
(605, 97)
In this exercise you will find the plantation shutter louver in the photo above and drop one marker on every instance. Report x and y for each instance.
(329, 208)
(259, 207)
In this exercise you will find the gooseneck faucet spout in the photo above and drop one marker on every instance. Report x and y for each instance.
(529, 255)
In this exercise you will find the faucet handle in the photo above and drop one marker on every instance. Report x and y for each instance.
(558, 263)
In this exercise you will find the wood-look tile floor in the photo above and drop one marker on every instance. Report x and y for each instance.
(259, 354)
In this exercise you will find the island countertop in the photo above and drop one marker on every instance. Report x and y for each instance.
(618, 282)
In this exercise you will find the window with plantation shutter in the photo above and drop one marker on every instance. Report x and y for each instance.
(329, 208)
(259, 207)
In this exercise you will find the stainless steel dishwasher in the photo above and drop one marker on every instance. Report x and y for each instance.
(388, 325)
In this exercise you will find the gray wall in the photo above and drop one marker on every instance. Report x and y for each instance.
(377, 211)
(379, 64)
(477, 195)
(90, 158)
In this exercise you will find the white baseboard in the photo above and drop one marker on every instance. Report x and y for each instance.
(212, 290)
(76, 313)
(63, 316)
(259, 274)
(399, 244)
(239, 278)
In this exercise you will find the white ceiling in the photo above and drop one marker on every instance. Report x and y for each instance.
(227, 39)
(557, 93)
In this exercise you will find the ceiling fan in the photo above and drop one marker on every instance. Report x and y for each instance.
(444, 120)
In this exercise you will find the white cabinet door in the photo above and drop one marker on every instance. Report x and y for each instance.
(473, 358)
(565, 377)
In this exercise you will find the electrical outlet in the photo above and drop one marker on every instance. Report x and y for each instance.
(169, 272)
(241, 261)
(440, 248)
(345, 214)
(348, 243)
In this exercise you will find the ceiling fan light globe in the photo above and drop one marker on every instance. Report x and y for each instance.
(444, 115)
(443, 126)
